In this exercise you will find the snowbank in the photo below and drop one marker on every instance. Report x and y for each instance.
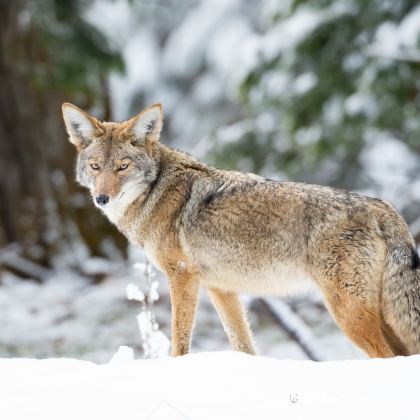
(223, 385)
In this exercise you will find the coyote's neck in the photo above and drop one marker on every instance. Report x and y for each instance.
(158, 204)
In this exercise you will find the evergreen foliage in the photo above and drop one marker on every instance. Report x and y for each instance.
(344, 72)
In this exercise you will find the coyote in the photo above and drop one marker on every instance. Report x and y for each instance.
(232, 232)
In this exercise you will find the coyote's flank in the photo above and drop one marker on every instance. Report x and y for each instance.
(232, 232)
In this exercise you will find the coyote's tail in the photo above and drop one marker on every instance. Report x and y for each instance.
(401, 290)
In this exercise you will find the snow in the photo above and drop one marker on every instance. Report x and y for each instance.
(290, 32)
(389, 164)
(184, 51)
(220, 385)
(361, 103)
(228, 39)
(304, 83)
(123, 355)
(308, 135)
(294, 29)
(119, 13)
(398, 41)
(141, 71)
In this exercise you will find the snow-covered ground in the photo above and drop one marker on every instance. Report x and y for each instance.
(220, 385)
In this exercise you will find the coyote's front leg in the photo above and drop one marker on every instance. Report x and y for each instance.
(233, 317)
(184, 297)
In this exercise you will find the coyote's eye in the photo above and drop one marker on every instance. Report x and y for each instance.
(123, 167)
(94, 166)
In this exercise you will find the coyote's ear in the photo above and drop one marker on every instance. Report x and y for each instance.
(147, 125)
(79, 124)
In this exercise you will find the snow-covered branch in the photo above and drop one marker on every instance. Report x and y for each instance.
(293, 325)
(10, 258)
(407, 54)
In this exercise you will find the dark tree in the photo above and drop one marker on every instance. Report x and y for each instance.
(48, 54)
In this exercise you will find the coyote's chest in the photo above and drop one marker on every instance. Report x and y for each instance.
(277, 279)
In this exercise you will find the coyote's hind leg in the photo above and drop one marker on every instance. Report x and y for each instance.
(361, 323)
(349, 272)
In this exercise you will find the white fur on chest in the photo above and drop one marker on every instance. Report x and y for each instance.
(279, 279)
(117, 207)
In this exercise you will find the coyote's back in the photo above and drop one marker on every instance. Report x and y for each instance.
(233, 232)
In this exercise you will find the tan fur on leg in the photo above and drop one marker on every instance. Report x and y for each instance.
(360, 323)
(232, 315)
(184, 297)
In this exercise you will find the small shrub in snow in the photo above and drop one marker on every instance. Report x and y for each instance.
(154, 342)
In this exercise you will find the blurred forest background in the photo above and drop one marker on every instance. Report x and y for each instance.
(321, 91)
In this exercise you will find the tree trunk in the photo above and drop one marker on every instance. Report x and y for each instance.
(41, 208)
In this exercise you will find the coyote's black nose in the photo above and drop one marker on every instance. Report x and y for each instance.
(102, 199)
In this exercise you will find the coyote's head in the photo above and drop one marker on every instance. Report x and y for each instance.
(116, 161)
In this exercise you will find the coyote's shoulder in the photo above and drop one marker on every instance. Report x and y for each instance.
(232, 232)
